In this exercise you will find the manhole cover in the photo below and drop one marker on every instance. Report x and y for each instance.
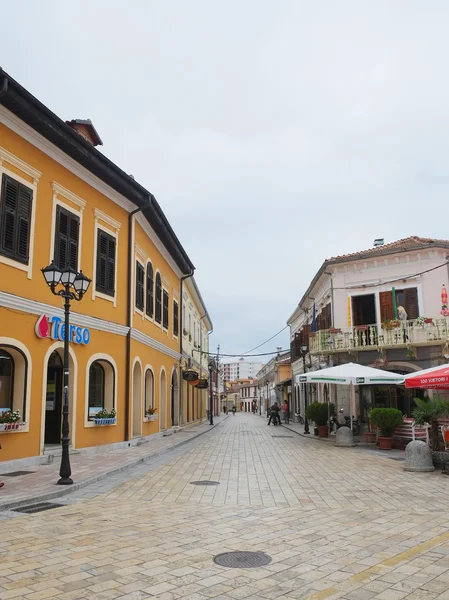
(282, 436)
(242, 560)
(16, 473)
(34, 508)
(205, 482)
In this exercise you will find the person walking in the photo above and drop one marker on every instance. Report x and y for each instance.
(233, 410)
(285, 412)
(274, 414)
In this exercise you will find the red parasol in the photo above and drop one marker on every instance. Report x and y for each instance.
(444, 308)
(436, 378)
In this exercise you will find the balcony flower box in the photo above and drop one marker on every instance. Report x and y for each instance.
(150, 418)
(17, 426)
(391, 324)
(106, 421)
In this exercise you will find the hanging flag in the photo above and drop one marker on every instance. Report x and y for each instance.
(395, 307)
(314, 318)
(444, 308)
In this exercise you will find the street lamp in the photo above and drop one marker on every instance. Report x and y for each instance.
(211, 367)
(304, 350)
(74, 286)
(267, 400)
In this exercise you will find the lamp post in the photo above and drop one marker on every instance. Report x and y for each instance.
(267, 400)
(304, 350)
(211, 367)
(74, 286)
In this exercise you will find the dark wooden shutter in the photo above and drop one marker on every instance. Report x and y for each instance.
(15, 215)
(411, 303)
(386, 306)
(175, 318)
(140, 276)
(150, 290)
(158, 309)
(106, 248)
(165, 310)
(67, 238)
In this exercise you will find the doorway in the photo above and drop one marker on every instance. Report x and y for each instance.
(137, 400)
(364, 310)
(163, 400)
(53, 400)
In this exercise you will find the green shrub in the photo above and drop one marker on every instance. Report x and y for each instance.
(386, 419)
(318, 412)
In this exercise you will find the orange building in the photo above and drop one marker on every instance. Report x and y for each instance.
(62, 200)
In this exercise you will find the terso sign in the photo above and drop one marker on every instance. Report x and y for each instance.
(54, 328)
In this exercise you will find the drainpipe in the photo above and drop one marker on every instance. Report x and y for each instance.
(4, 88)
(181, 335)
(129, 317)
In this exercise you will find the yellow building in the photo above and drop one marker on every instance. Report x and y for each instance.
(196, 327)
(62, 200)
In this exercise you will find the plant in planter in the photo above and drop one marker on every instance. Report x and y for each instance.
(106, 417)
(185, 332)
(318, 412)
(391, 324)
(150, 413)
(190, 337)
(10, 420)
(386, 419)
(429, 411)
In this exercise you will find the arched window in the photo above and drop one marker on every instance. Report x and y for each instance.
(150, 291)
(101, 387)
(158, 310)
(149, 389)
(6, 380)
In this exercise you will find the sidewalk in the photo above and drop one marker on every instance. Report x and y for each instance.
(39, 484)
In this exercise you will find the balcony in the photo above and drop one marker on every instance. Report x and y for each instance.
(374, 337)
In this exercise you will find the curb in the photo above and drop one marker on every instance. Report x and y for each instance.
(64, 491)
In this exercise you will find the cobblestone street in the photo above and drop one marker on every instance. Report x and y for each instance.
(337, 523)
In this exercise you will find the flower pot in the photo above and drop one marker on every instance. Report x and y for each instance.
(106, 421)
(151, 417)
(323, 431)
(370, 437)
(385, 443)
(12, 426)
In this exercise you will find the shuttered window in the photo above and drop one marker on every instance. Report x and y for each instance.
(140, 277)
(66, 239)
(407, 298)
(150, 291)
(175, 318)
(105, 281)
(158, 309)
(165, 310)
(15, 219)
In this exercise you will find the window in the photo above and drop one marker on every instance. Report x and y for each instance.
(194, 332)
(407, 298)
(150, 291)
(6, 379)
(175, 318)
(105, 281)
(140, 274)
(165, 310)
(66, 239)
(15, 219)
(184, 317)
(101, 387)
(158, 310)
(149, 389)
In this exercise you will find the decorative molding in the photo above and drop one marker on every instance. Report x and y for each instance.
(166, 282)
(159, 245)
(20, 164)
(38, 308)
(59, 190)
(101, 216)
(141, 253)
(152, 343)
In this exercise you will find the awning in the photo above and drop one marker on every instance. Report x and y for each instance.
(352, 373)
(436, 378)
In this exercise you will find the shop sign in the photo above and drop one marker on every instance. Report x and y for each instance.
(54, 328)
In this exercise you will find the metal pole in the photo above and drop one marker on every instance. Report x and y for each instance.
(306, 420)
(211, 399)
(65, 470)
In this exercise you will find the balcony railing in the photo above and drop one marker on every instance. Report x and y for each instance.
(374, 337)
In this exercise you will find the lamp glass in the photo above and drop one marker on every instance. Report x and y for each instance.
(81, 283)
(303, 349)
(68, 276)
(52, 274)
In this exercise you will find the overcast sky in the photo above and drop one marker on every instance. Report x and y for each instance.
(274, 134)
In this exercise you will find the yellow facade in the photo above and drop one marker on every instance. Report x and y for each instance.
(110, 312)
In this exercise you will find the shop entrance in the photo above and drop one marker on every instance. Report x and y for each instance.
(53, 400)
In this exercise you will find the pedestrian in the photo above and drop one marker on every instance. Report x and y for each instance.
(233, 410)
(274, 415)
(285, 412)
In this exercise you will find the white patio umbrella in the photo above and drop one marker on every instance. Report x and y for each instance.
(352, 374)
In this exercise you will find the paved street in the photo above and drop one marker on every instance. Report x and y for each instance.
(337, 523)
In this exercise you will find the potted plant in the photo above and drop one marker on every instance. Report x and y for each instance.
(185, 332)
(318, 412)
(391, 324)
(386, 419)
(10, 420)
(150, 413)
(429, 411)
(190, 337)
(106, 417)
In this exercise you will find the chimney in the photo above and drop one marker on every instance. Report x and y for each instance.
(86, 129)
(378, 242)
